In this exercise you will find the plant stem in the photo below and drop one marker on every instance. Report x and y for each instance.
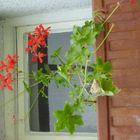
(18, 95)
(111, 28)
(85, 79)
(114, 10)
(31, 107)
(80, 79)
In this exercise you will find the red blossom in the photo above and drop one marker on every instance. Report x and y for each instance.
(2, 65)
(41, 31)
(38, 57)
(12, 60)
(34, 57)
(6, 81)
(7, 66)
(9, 63)
(37, 42)
(28, 49)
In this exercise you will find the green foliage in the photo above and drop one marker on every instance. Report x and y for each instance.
(41, 77)
(84, 84)
(102, 73)
(86, 35)
(66, 119)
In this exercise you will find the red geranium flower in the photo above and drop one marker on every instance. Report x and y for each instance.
(7, 66)
(38, 57)
(2, 65)
(11, 62)
(6, 81)
(41, 31)
(37, 42)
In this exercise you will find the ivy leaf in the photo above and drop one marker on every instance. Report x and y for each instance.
(107, 67)
(108, 86)
(102, 67)
(85, 35)
(66, 119)
(99, 61)
(72, 121)
(102, 73)
(77, 119)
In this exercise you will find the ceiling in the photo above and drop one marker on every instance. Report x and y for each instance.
(16, 8)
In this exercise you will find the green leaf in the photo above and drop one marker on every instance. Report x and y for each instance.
(99, 61)
(68, 109)
(77, 119)
(63, 72)
(59, 114)
(107, 67)
(55, 55)
(108, 86)
(86, 35)
(66, 119)
(47, 69)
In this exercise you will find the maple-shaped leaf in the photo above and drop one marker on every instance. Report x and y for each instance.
(67, 119)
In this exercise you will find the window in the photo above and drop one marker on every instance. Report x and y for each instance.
(41, 116)
(28, 129)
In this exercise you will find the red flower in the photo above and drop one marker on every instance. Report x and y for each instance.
(31, 40)
(41, 31)
(7, 65)
(11, 62)
(6, 81)
(2, 65)
(28, 49)
(38, 57)
(34, 57)
(36, 43)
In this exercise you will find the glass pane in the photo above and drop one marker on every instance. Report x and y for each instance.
(41, 116)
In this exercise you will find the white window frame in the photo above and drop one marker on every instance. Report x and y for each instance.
(18, 27)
